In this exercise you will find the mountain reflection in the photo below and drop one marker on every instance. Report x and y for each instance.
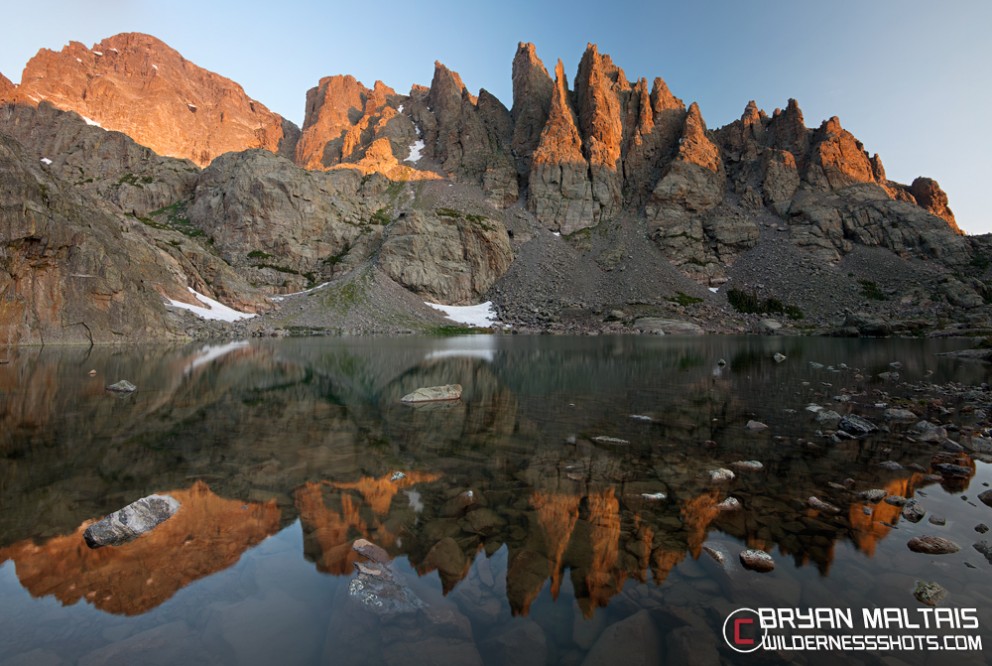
(314, 431)
(207, 534)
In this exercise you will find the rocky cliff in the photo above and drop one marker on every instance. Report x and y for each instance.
(454, 198)
(136, 84)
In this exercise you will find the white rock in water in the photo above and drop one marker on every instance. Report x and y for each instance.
(729, 504)
(123, 386)
(824, 507)
(132, 521)
(432, 393)
(756, 425)
(721, 475)
(603, 439)
(779, 357)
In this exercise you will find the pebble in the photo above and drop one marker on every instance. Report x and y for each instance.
(986, 497)
(981, 528)
(896, 500)
(937, 520)
(932, 545)
(779, 357)
(756, 425)
(757, 560)
(890, 465)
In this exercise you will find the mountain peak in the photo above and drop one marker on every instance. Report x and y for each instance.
(184, 110)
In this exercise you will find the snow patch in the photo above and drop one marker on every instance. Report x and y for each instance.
(481, 315)
(90, 121)
(415, 151)
(45, 161)
(210, 309)
(714, 289)
(115, 51)
(556, 234)
(210, 352)
(276, 299)
(155, 67)
(79, 60)
(99, 54)
(191, 107)
(399, 109)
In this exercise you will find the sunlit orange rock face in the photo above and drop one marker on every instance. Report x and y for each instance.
(340, 113)
(207, 534)
(136, 84)
(7, 89)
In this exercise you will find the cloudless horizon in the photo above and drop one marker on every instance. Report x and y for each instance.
(909, 78)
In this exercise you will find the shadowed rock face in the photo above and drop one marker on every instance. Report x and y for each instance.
(627, 157)
(136, 84)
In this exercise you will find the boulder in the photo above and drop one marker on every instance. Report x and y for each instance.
(131, 522)
(932, 545)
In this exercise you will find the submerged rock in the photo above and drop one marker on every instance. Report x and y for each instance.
(131, 522)
(757, 560)
(932, 545)
(985, 548)
(432, 393)
(376, 587)
(123, 386)
(986, 497)
(779, 357)
(930, 594)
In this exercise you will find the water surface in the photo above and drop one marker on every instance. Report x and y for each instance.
(526, 517)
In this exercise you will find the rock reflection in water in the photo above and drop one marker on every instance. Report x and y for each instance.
(536, 509)
(207, 534)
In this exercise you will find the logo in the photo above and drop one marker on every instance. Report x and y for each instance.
(742, 630)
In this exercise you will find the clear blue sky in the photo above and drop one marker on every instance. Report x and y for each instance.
(912, 79)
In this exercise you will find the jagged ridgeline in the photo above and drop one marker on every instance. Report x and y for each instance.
(131, 176)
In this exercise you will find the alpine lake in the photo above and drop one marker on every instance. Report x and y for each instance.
(568, 509)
